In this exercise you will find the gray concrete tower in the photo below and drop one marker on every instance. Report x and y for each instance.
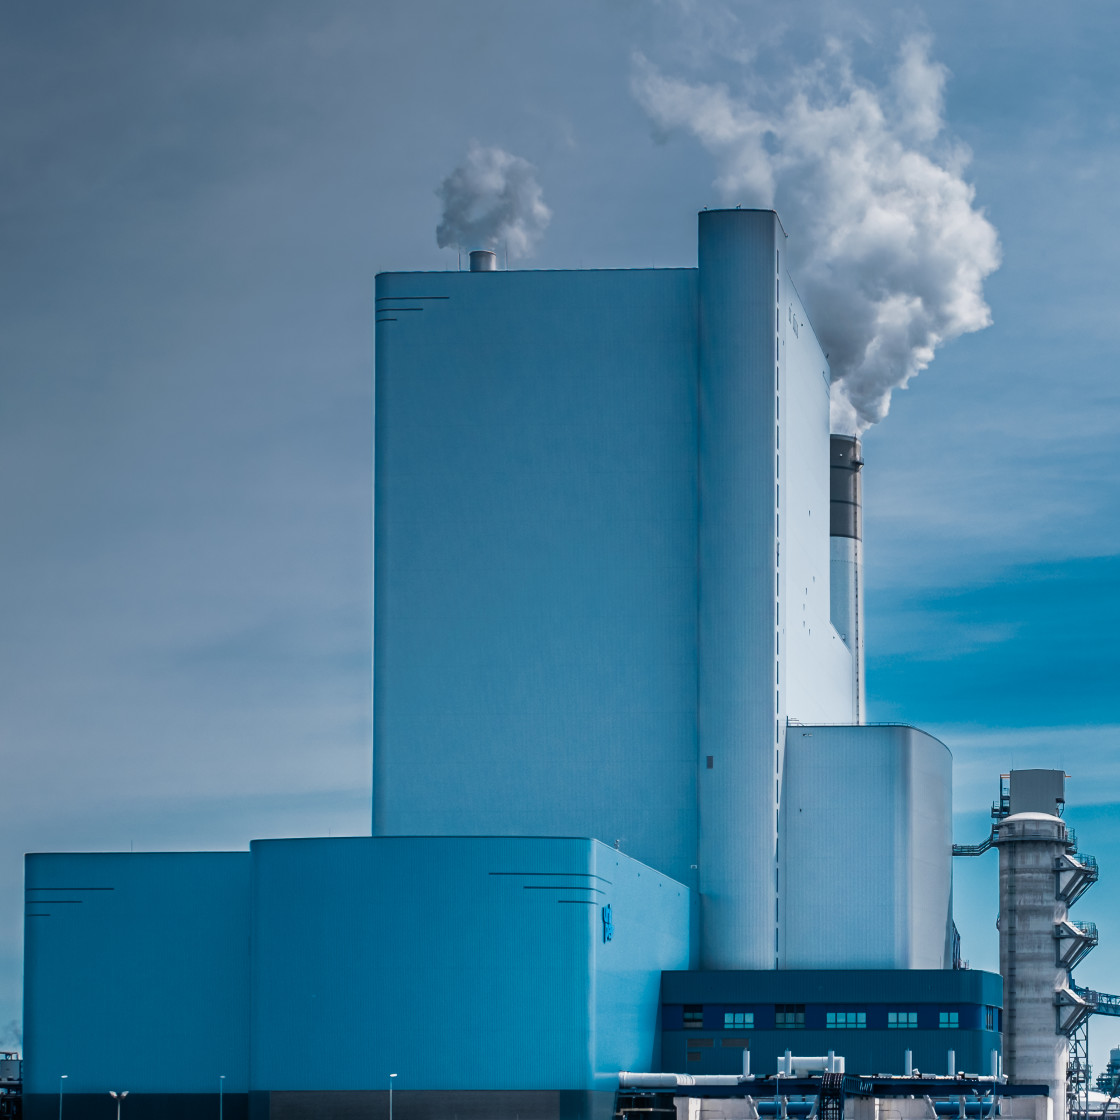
(1037, 947)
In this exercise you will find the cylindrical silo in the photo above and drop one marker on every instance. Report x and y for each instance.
(1034, 1051)
(846, 554)
(739, 696)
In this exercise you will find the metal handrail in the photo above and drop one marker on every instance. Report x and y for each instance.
(977, 849)
(1102, 1003)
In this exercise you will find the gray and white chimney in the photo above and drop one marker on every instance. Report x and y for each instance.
(846, 555)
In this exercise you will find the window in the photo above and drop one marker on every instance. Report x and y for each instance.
(990, 1018)
(694, 1056)
(789, 1016)
(950, 1019)
(902, 1019)
(738, 1020)
(693, 1017)
(846, 1020)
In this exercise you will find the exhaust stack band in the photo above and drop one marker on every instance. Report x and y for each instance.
(845, 490)
(846, 552)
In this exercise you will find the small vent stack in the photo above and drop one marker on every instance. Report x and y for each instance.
(484, 260)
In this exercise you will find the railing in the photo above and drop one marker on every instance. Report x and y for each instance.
(1102, 1002)
(976, 849)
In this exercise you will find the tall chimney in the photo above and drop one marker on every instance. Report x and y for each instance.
(484, 260)
(846, 555)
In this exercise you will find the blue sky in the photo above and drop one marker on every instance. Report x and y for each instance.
(193, 203)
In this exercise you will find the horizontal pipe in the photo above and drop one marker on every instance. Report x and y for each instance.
(678, 1080)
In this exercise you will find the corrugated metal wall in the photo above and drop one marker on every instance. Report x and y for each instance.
(535, 555)
(455, 963)
(136, 972)
(867, 849)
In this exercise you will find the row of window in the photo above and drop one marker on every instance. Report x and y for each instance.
(950, 1020)
(791, 1016)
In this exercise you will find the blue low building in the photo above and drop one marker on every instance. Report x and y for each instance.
(938, 1018)
(492, 975)
(498, 977)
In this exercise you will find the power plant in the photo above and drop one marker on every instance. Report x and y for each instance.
(634, 848)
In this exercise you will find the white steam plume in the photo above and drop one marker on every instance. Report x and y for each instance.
(492, 200)
(888, 249)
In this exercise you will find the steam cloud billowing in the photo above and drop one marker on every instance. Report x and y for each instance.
(492, 201)
(887, 247)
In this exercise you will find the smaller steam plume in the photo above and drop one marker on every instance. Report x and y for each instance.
(492, 200)
(887, 247)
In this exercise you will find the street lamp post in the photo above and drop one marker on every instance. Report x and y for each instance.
(221, 1086)
(391, 1076)
(118, 1097)
(61, 1078)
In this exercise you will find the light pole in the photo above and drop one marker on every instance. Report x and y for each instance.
(118, 1097)
(221, 1085)
(61, 1078)
(391, 1076)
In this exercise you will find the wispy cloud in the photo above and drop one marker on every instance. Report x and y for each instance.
(888, 247)
(1029, 647)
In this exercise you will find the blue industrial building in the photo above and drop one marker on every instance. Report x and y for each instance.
(619, 751)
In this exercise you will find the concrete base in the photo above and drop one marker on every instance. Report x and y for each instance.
(433, 1104)
(331, 1105)
(136, 1106)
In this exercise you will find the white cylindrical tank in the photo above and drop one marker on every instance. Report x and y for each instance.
(1030, 845)
(739, 696)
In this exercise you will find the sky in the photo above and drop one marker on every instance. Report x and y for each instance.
(194, 200)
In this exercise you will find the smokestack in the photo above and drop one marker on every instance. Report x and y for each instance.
(846, 555)
(484, 260)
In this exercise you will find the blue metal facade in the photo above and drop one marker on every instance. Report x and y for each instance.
(136, 973)
(457, 963)
(460, 964)
(709, 1018)
(535, 558)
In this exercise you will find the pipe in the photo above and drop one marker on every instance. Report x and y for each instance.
(790, 1064)
(628, 1080)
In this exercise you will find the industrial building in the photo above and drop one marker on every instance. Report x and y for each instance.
(619, 753)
